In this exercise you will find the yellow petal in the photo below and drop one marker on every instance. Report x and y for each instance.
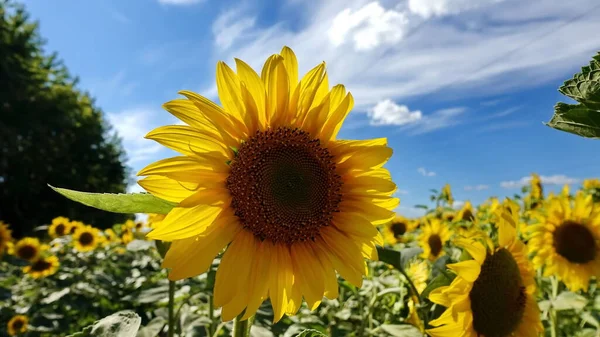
(187, 140)
(189, 113)
(187, 169)
(469, 270)
(228, 86)
(374, 214)
(193, 256)
(344, 254)
(308, 89)
(310, 279)
(182, 223)
(368, 184)
(355, 224)
(475, 249)
(291, 66)
(259, 277)
(167, 189)
(326, 268)
(364, 158)
(255, 87)
(337, 117)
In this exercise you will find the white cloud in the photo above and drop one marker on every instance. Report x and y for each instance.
(557, 179)
(368, 26)
(437, 120)
(132, 125)
(425, 173)
(179, 2)
(387, 112)
(400, 192)
(458, 204)
(429, 8)
(230, 26)
(410, 212)
(490, 61)
(480, 187)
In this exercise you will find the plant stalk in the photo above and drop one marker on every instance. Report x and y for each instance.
(242, 328)
(553, 313)
(171, 331)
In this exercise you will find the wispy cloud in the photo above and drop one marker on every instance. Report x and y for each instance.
(425, 173)
(439, 119)
(429, 8)
(458, 204)
(400, 192)
(120, 17)
(115, 85)
(557, 179)
(231, 26)
(477, 187)
(410, 212)
(132, 125)
(504, 126)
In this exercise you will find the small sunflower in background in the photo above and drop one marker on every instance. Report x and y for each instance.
(537, 190)
(433, 237)
(87, 238)
(266, 176)
(28, 248)
(17, 325)
(566, 242)
(448, 216)
(418, 271)
(395, 230)
(466, 213)
(447, 194)
(139, 226)
(126, 235)
(5, 237)
(74, 226)
(60, 226)
(42, 267)
(492, 294)
(110, 236)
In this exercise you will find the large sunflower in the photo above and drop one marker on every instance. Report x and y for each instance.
(5, 237)
(432, 239)
(87, 238)
(17, 325)
(267, 176)
(492, 294)
(567, 241)
(28, 248)
(394, 231)
(60, 226)
(42, 267)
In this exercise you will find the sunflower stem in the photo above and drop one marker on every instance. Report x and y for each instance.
(242, 328)
(171, 308)
(422, 310)
(553, 313)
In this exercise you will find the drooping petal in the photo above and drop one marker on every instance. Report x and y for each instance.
(187, 140)
(168, 189)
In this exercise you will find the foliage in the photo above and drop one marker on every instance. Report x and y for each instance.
(50, 132)
(582, 119)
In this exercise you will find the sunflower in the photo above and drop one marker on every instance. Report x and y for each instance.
(60, 226)
(466, 213)
(537, 191)
(87, 238)
(447, 194)
(394, 230)
(17, 325)
(448, 216)
(110, 236)
(492, 294)
(74, 226)
(567, 241)
(5, 237)
(126, 235)
(28, 248)
(418, 271)
(589, 184)
(267, 176)
(42, 267)
(432, 239)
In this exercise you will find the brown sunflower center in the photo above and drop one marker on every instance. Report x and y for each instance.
(435, 244)
(139, 225)
(574, 242)
(450, 217)
(468, 215)
(284, 185)
(40, 265)
(18, 325)
(498, 296)
(73, 230)
(398, 228)
(60, 229)
(27, 252)
(86, 238)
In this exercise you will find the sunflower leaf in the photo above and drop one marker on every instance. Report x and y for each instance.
(311, 333)
(582, 119)
(401, 330)
(569, 300)
(119, 203)
(123, 324)
(390, 256)
(443, 279)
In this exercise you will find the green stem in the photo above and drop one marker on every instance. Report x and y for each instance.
(171, 308)
(211, 316)
(553, 313)
(242, 328)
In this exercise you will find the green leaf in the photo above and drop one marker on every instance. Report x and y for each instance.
(119, 203)
(121, 324)
(401, 330)
(162, 247)
(311, 333)
(397, 259)
(568, 300)
(153, 328)
(577, 119)
(422, 206)
(582, 119)
(443, 279)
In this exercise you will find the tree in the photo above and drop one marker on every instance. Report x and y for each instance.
(50, 133)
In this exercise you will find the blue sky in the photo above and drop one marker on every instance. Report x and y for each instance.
(459, 87)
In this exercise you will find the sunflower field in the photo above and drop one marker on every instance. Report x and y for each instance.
(516, 267)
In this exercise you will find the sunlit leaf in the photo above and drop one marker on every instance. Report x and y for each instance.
(401, 330)
(443, 279)
(569, 300)
(123, 324)
(311, 333)
(119, 203)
